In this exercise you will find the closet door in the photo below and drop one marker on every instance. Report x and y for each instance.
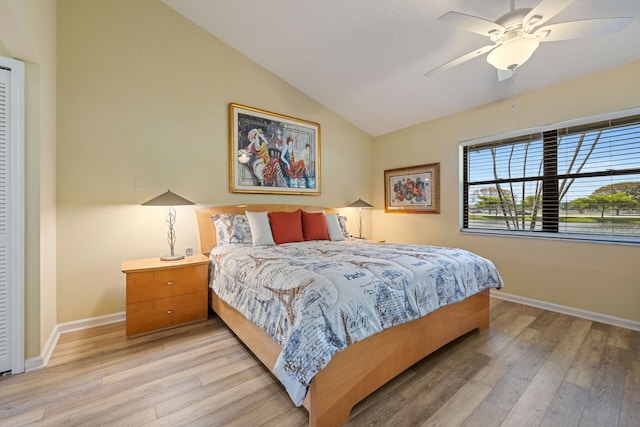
(11, 215)
(5, 300)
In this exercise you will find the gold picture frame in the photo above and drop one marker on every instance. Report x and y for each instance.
(272, 153)
(414, 189)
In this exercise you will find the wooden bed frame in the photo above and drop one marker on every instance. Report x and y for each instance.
(363, 367)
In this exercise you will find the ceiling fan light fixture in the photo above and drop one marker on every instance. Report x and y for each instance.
(513, 53)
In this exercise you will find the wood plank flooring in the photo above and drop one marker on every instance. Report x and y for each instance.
(530, 368)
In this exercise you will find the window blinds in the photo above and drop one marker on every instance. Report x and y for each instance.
(571, 180)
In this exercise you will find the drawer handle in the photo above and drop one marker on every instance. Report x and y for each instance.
(170, 283)
(169, 311)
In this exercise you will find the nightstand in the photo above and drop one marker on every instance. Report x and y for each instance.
(164, 294)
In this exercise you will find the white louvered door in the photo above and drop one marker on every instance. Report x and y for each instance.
(12, 236)
(5, 298)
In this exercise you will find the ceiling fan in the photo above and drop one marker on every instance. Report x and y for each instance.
(516, 35)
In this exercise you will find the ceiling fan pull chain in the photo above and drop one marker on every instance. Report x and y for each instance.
(513, 82)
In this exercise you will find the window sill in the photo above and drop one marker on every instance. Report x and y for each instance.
(580, 238)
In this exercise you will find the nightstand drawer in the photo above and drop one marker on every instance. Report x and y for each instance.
(153, 284)
(165, 312)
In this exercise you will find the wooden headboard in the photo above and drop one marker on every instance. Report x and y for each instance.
(207, 231)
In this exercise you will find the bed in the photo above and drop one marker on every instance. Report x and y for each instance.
(354, 372)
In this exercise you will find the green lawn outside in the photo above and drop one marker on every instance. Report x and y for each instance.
(632, 220)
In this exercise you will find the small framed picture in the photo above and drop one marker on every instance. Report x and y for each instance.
(414, 189)
(272, 153)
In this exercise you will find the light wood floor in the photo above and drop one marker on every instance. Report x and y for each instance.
(530, 368)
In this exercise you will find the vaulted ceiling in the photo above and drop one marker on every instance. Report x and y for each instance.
(366, 59)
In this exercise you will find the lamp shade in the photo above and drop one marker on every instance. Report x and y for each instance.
(513, 53)
(360, 204)
(168, 199)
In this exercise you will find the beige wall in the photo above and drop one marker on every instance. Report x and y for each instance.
(144, 93)
(28, 33)
(601, 278)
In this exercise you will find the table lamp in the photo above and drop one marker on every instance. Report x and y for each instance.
(361, 205)
(170, 200)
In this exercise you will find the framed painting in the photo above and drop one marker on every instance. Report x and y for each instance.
(414, 189)
(272, 153)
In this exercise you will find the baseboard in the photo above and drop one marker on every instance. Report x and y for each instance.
(589, 315)
(33, 363)
(91, 322)
(41, 361)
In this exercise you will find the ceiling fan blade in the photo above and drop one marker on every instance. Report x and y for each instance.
(579, 29)
(462, 59)
(544, 11)
(471, 23)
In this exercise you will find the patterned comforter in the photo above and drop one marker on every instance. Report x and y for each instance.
(316, 298)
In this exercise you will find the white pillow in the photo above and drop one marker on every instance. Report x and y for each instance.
(343, 226)
(260, 228)
(333, 226)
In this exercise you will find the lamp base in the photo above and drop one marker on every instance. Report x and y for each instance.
(171, 257)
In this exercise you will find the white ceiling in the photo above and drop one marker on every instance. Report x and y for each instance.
(366, 59)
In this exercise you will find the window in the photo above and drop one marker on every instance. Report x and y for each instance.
(576, 181)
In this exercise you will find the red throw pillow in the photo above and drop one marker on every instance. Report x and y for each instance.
(314, 226)
(286, 226)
